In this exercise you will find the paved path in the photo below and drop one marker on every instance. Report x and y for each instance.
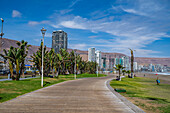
(89, 95)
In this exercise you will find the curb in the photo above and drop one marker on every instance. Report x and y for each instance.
(135, 108)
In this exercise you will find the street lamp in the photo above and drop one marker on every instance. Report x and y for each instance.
(97, 66)
(43, 33)
(75, 64)
(1, 34)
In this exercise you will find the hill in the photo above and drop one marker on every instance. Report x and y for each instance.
(84, 54)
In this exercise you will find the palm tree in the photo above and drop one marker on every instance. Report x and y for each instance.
(57, 64)
(72, 62)
(64, 58)
(118, 68)
(91, 67)
(37, 58)
(128, 72)
(24, 51)
(7, 56)
(52, 57)
(132, 60)
(17, 60)
(123, 71)
(14, 56)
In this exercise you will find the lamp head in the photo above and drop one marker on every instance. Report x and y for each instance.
(2, 20)
(43, 31)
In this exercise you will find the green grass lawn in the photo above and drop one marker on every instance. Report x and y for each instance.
(145, 93)
(12, 89)
(3, 77)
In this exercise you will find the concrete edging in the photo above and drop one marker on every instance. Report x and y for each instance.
(135, 108)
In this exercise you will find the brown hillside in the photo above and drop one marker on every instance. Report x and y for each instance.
(7, 43)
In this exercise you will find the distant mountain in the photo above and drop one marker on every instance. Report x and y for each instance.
(7, 43)
(146, 61)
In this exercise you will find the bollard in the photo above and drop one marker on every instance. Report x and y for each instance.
(8, 76)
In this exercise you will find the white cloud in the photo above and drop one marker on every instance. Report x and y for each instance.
(36, 23)
(33, 22)
(149, 8)
(37, 39)
(76, 23)
(73, 3)
(65, 11)
(72, 24)
(16, 13)
(134, 12)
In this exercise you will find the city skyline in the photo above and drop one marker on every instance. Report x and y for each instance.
(109, 26)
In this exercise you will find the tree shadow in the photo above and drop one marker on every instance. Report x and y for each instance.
(46, 83)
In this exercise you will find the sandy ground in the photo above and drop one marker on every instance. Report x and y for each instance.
(163, 78)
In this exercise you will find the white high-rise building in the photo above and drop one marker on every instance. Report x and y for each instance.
(91, 54)
(135, 66)
(125, 62)
(98, 58)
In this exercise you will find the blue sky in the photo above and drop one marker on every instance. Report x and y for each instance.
(107, 25)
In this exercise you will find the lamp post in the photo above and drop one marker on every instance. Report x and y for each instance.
(1, 34)
(43, 33)
(75, 64)
(97, 66)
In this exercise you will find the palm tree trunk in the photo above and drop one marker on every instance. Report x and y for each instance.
(11, 69)
(119, 75)
(22, 70)
(17, 70)
(53, 71)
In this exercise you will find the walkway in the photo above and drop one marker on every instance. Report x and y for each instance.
(89, 95)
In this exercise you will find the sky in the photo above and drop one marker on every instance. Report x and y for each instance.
(107, 25)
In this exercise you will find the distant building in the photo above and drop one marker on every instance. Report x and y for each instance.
(91, 54)
(158, 67)
(150, 67)
(135, 66)
(111, 63)
(140, 67)
(125, 62)
(103, 62)
(59, 40)
(121, 61)
(153, 68)
(3, 64)
(117, 61)
(98, 58)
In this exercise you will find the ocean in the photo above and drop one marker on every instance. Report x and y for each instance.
(159, 73)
